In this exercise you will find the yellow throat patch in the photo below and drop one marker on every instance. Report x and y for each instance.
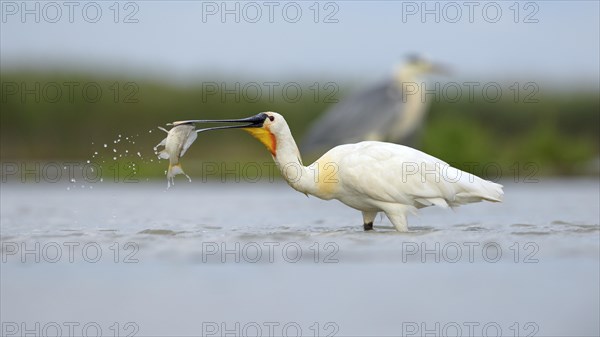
(266, 137)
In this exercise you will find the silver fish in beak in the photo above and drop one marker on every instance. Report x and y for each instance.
(184, 133)
(178, 140)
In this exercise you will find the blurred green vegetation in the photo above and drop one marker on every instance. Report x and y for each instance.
(60, 116)
(559, 135)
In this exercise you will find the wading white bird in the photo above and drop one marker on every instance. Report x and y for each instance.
(391, 111)
(369, 176)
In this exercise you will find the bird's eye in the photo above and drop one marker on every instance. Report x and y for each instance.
(271, 118)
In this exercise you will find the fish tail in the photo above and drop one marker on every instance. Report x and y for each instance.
(175, 169)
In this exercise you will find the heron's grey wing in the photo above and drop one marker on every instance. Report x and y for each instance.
(355, 117)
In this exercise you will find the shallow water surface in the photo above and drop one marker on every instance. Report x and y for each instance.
(199, 257)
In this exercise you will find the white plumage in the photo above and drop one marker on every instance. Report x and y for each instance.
(369, 176)
(395, 179)
(374, 176)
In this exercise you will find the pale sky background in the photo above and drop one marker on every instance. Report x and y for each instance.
(171, 41)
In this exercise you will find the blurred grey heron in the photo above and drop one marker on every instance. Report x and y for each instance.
(391, 111)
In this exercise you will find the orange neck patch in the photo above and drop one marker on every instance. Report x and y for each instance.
(266, 137)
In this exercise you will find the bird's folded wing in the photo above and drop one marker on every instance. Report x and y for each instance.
(398, 174)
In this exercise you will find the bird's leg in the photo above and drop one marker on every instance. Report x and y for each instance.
(368, 218)
(398, 218)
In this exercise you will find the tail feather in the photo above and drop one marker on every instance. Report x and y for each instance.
(495, 192)
(479, 191)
